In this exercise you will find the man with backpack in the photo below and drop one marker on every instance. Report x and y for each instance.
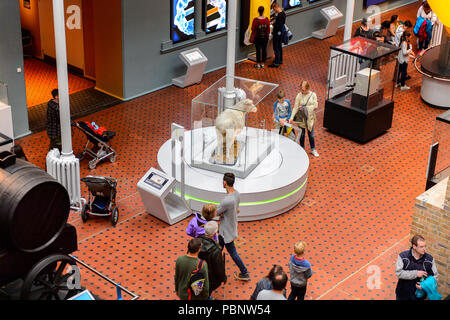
(211, 252)
(260, 37)
(191, 274)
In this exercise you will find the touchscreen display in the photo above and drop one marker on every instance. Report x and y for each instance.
(156, 181)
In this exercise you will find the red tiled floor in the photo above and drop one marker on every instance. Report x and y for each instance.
(41, 79)
(358, 202)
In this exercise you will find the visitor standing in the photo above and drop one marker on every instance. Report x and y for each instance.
(260, 37)
(53, 121)
(281, 112)
(191, 274)
(299, 271)
(412, 266)
(278, 27)
(403, 59)
(278, 286)
(266, 282)
(304, 116)
(228, 230)
(211, 252)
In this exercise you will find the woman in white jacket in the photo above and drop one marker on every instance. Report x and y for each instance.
(426, 13)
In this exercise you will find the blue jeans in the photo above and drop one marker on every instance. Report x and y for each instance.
(277, 50)
(312, 141)
(231, 248)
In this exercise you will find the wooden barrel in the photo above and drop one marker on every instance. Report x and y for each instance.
(34, 207)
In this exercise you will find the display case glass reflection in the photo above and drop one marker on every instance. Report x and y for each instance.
(182, 20)
(362, 74)
(232, 137)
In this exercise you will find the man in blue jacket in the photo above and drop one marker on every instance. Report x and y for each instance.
(413, 265)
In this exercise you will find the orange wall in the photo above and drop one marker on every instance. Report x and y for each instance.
(29, 19)
(74, 37)
(108, 46)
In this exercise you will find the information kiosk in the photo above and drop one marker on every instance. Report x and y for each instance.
(196, 62)
(155, 189)
(334, 17)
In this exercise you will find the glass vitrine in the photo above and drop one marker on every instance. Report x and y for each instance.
(229, 133)
(362, 73)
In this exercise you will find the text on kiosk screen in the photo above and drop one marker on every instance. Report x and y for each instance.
(156, 181)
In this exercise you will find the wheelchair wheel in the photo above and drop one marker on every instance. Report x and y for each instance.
(115, 216)
(85, 213)
(112, 159)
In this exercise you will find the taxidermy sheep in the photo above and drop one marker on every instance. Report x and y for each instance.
(229, 124)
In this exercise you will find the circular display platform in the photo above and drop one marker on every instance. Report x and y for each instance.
(276, 184)
(435, 89)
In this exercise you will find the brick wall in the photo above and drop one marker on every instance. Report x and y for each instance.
(431, 220)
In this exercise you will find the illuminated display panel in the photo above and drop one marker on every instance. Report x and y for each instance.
(369, 3)
(182, 20)
(289, 4)
(215, 15)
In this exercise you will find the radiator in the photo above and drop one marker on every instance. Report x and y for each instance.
(67, 171)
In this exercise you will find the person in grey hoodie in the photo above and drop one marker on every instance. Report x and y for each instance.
(299, 272)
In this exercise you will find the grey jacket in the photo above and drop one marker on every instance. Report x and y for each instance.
(228, 227)
(299, 274)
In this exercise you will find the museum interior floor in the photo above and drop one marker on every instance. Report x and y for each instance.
(41, 79)
(355, 217)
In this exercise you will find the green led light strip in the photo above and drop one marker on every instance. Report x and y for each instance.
(247, 203)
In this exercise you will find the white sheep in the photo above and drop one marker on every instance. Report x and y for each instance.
(229, 124)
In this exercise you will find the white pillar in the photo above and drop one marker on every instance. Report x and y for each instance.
(63, 81)
(349, 19)
(231, 54)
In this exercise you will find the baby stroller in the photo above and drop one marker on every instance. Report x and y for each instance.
(99, 138)
(103, 189)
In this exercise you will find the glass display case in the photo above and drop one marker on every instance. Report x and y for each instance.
(439, 157)
(360, 88)
(229, 133)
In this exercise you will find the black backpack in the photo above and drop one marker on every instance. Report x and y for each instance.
(261, 31)
(197, 280)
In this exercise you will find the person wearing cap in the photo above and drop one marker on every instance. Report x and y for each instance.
(363, 30)
(211, 252)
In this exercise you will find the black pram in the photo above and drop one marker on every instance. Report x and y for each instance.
(99, 140)
(104, 190)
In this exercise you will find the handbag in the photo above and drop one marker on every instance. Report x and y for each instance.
(303, 115)
(286, 35)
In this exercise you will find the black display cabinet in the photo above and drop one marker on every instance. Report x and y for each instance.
(360, 89)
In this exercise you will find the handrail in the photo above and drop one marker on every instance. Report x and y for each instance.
(135, 297)
(426, 74)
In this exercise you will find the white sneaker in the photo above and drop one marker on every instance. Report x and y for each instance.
(405, 88)
(314, 152)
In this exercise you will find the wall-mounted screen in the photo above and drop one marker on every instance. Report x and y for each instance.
(289, 4)
(368, 3)
(182, 20)
(215, 15)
